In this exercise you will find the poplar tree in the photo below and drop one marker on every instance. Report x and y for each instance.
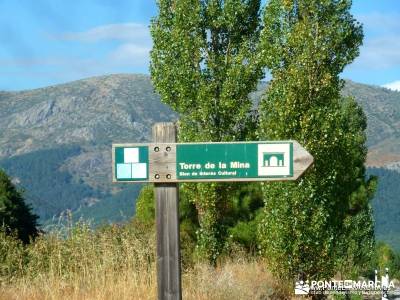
(204, 65)
(307, 224)
(16, 217)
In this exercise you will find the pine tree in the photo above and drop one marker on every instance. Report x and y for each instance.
(306, 44)
(16, 216)
(204, 65)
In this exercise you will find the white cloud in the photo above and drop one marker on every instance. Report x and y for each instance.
(133, 43)
(19, 62)
(380, 53)
(131, 54)
(381, 43)
(380, 22)
(119, 32)
(394, 86)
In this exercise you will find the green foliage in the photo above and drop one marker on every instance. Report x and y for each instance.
(242, 221)
(204, 65)
(386, 257)
(356, 245)
(307, 44)
(239, 222)
(145, 206)
(15, 215)
(245, 233)
(145, 215)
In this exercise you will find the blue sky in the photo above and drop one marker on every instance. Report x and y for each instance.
(46, 42)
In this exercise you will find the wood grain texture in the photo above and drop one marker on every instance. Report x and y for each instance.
(302, 160)
(162, 162)
(167, 219)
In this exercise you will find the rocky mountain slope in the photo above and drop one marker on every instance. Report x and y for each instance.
(56, 141)
(382, 107)
(66, 131)
(91, 113)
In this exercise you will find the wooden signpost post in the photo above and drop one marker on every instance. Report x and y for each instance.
(166, 163)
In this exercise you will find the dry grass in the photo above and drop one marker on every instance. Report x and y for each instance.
(122, 286)
(118, 263)
(232, 280)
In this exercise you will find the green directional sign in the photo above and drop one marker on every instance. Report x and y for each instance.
(234, 160)
(197, 162)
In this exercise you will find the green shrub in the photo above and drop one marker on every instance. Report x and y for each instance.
(15, 215)
(145, 215)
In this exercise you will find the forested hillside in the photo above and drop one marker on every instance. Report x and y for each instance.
(386, 206)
